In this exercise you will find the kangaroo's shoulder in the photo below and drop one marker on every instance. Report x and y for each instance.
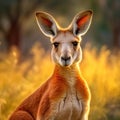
(82, 88)
(36, 96)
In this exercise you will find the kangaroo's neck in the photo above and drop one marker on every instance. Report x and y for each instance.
(70, 74)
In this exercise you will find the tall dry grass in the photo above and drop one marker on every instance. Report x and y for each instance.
(101, 70)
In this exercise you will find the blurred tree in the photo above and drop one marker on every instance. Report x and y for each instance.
(12, 14)
(110, 14)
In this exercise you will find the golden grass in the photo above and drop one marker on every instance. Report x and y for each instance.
(101, 70)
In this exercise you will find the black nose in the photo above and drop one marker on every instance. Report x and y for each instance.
(65, 58)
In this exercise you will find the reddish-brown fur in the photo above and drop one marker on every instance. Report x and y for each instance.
(50, 91)
(65, 95)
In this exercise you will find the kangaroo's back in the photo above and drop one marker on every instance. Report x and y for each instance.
(65, 95)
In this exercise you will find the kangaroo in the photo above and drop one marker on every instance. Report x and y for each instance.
(65, 95)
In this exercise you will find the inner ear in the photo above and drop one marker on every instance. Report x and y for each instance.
(81, 21)
(46, 22)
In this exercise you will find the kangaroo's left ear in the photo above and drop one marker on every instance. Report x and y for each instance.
(81, 23)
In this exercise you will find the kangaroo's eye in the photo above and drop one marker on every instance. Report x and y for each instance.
(75, 43)
(56, 44)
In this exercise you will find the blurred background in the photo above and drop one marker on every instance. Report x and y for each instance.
(23, 49)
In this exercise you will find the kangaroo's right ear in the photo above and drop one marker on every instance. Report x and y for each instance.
(47, 24)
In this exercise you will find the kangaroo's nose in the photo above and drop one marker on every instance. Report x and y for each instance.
(65, 58)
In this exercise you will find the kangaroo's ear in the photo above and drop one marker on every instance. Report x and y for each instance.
(81, 22)
(47, 24)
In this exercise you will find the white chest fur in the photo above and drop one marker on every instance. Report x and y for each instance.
(69, 108)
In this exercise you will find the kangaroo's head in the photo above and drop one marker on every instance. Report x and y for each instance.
(66, 49)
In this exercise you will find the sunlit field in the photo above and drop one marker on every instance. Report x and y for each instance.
(100, 68)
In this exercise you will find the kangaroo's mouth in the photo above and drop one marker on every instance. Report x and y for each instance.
(65, 63)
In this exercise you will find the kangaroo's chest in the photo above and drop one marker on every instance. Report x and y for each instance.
(69, 107)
